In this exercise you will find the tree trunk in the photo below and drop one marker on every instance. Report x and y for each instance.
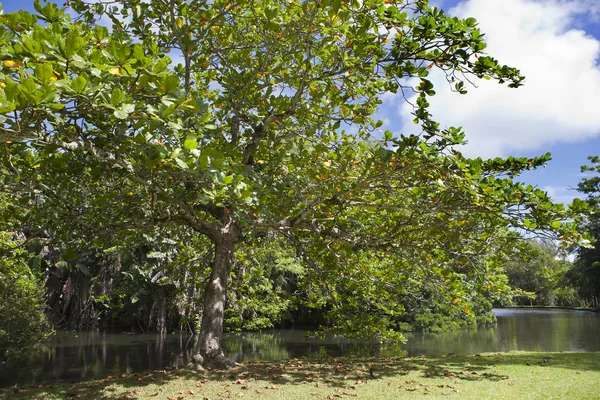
(215, 297)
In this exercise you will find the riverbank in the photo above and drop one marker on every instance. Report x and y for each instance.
(519, 375)
(526, 307)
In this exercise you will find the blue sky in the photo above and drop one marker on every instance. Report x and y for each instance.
(556, 44)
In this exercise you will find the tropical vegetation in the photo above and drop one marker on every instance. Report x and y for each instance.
(200, 165)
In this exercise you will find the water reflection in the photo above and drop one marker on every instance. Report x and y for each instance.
(94, 354)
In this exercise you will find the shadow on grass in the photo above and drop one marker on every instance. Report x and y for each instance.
(337, 372)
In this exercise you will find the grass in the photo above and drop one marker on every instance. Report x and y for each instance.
(487, 376)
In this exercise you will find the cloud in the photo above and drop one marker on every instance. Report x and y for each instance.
(561, 97)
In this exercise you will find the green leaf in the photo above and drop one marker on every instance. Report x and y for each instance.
(384, 154)
(190, 144)
(204, 118)
(124, 111)
(203, 160)
(162, 65)
(7, 108)
(79, 84)
(116, 97)
(44, 73)
(335, 7)
(73, 43)
(83, 269)
(228, 179)
(181, 163)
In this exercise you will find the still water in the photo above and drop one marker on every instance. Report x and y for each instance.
(95, 354)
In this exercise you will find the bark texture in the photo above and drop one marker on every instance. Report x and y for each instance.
(215, 299)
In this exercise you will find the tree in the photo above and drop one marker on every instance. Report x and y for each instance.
(264, 125)
(538, 273)
(23, 325)
(585, 273)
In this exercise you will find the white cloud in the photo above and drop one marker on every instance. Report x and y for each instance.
(561, 97)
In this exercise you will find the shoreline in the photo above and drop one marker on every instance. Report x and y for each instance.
(510, 375)
(596, 310)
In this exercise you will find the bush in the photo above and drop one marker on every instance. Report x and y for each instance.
(23, 324)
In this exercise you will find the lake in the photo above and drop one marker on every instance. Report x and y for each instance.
(77, 356)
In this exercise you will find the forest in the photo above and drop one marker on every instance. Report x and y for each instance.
(211, 166)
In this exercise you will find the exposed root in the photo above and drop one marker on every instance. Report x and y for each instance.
(219, 362)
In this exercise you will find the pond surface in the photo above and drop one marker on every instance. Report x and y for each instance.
(77, 356)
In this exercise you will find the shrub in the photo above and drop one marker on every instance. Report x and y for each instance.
(23, 324)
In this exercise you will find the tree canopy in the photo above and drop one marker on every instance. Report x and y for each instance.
(260, 123)
(585, 273)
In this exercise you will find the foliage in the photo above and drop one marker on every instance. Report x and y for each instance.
(23, 324)
(265, 277)
(146, 281)
(264, 126)
(539, 273)
(585, 274)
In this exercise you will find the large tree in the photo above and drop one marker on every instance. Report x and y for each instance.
(264, 123)
(585, 273)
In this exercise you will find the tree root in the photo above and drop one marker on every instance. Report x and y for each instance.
(219, 362)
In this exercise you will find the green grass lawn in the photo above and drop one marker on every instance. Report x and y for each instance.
(488, 376)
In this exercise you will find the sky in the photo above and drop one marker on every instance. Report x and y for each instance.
(556, 45)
